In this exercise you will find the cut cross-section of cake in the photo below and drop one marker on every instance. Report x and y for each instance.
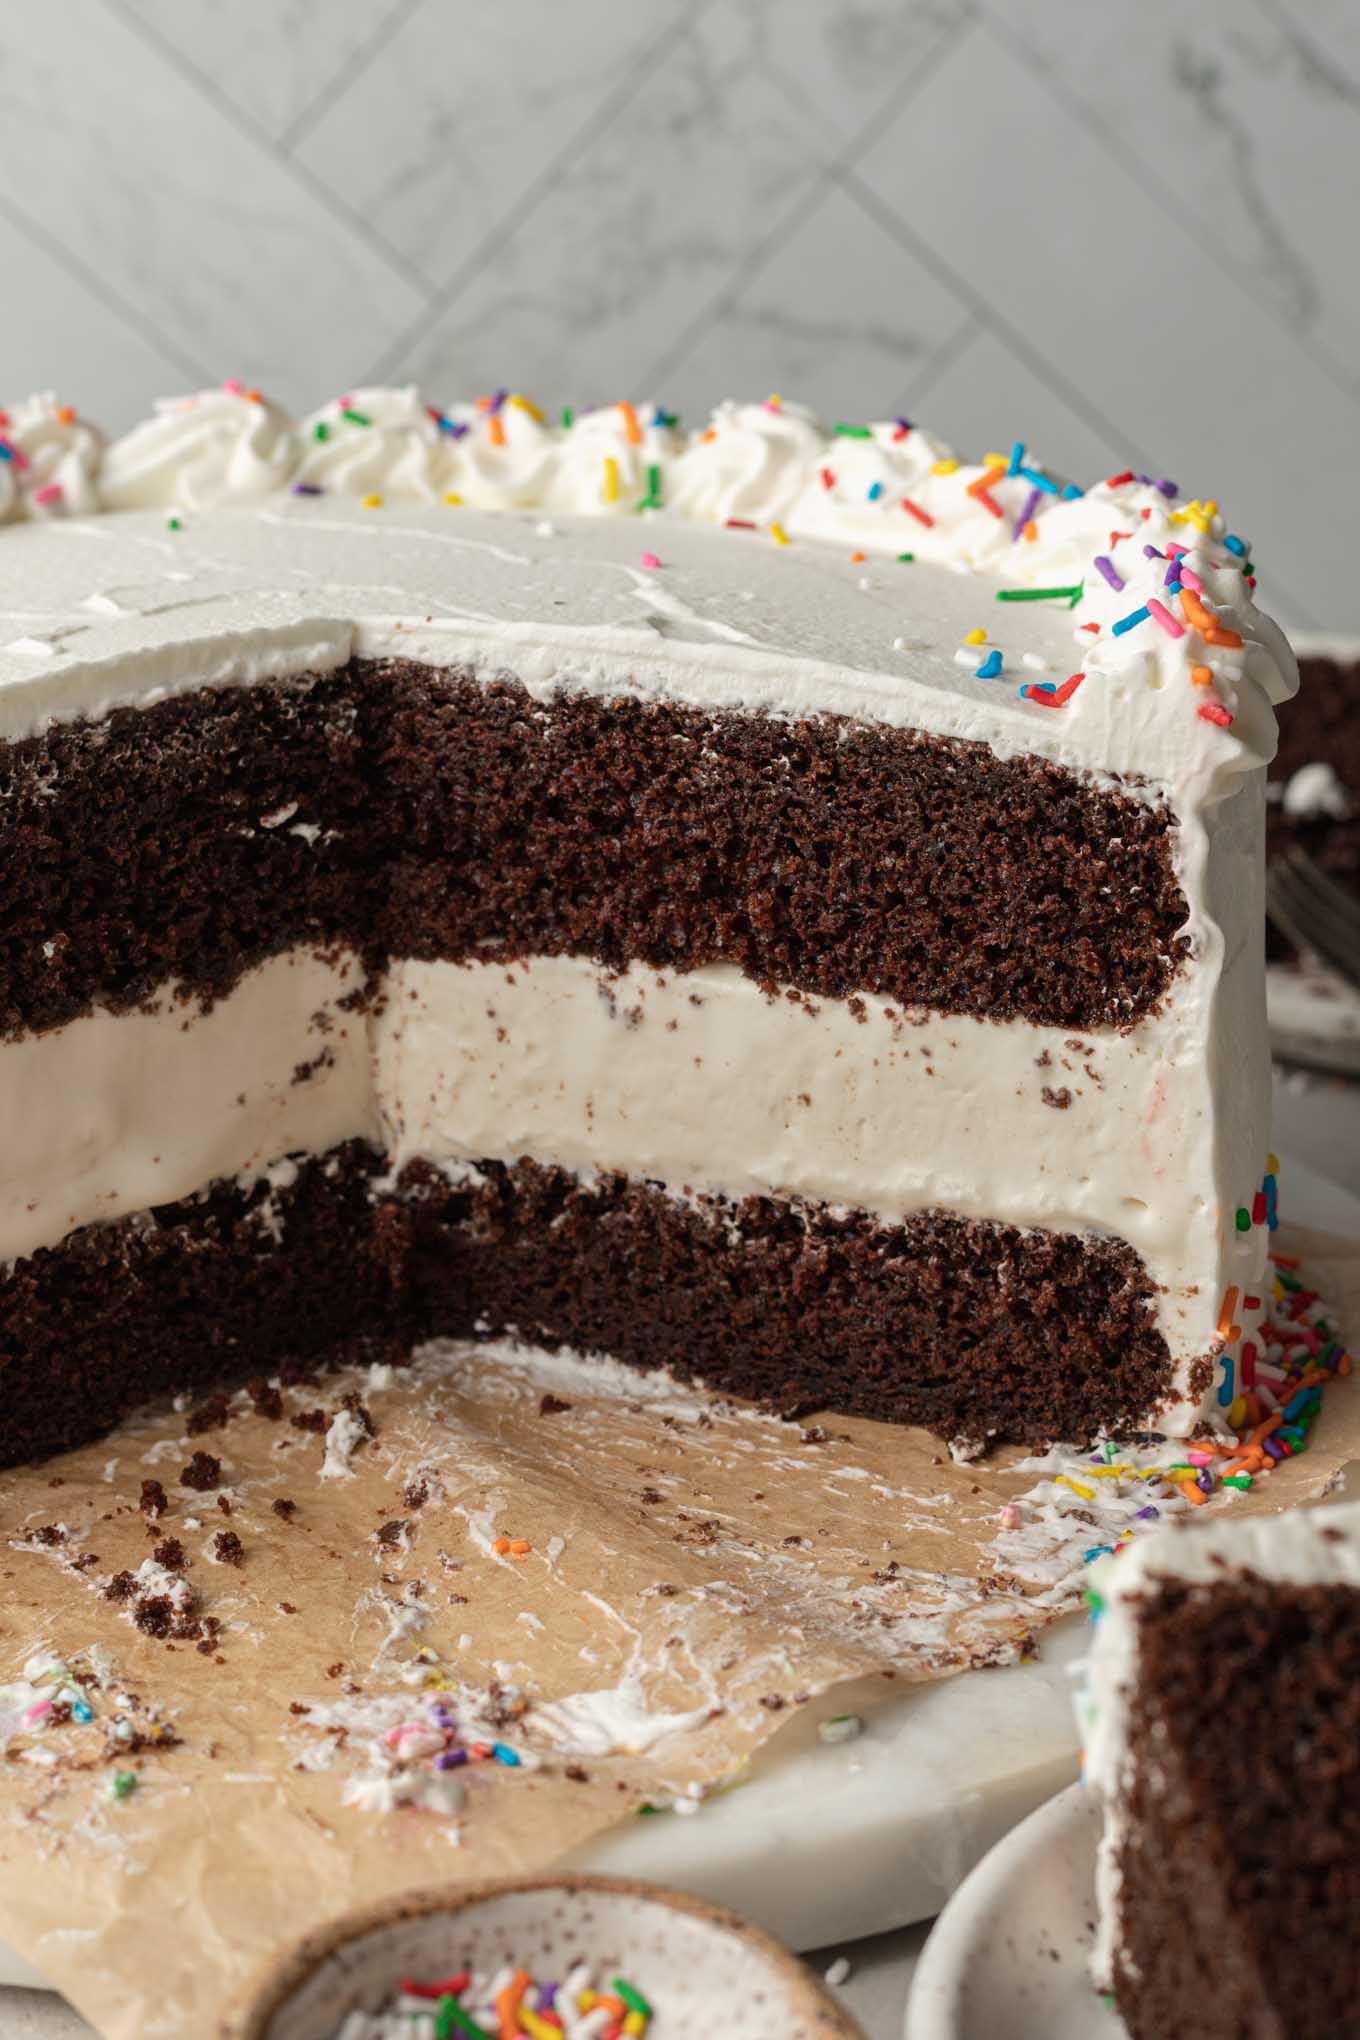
(1222, 1722)
(451, 887)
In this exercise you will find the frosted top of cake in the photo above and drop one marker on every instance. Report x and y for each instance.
(862, 569)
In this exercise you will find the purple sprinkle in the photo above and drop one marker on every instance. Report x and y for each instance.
(1149, 1514)
(1173, 574)
(1023, 519)
(1204, 1481)
(1150, 552)
(306, 489)
(1273, 1450)
(1167, 488)
(547, 1996)
(902, 424)
(496, 402)
(449, 1760)
(1107, 569)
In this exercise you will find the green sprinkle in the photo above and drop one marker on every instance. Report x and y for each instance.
(1237, 1480)
(905, 559)
(173, 524)
(124, 1783)
(1094, 1601)
(451, 2019)
(852, 431)
(1288, 1281)
(321, 430)
(1036, 594)
(634, 1999)
(654, 481)
(568, 416)
(1243, 1219)
(647, 1808)
(356, 417)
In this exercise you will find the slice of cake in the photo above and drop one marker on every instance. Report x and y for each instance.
(1222, 1720)
(776, 904)
(1313, 804)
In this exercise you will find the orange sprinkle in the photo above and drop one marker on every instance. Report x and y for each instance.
(1031, 530)
(1218, 635)
(1225, 1315)
(1201, 676)
(500, 1546)
(66, 414)
(632, 431)
(857, 556)
(508, 2002)
(710, 434)
(518, 1546)
(496, 429)
(254, 397)
(1344, 1366)
(983, 482)
(1193, 1494)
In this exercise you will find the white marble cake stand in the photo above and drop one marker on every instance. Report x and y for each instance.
(828, 1843)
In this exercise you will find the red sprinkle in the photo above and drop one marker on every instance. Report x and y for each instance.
(828, 479)
(451, 1986)
(1214, 712)
(1117, 481)
(915, 510)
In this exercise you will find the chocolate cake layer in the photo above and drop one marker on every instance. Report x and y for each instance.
(421, 813)
(971, 1329)
(1267, 1875)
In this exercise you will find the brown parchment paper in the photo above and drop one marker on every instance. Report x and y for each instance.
(696, 1570)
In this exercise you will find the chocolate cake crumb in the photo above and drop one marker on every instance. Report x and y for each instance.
(391, 1533)
(416, 1493)
(283, 1507)
(202, 1473)
(266, 1401)
(209, 1416)
(1059, 1099)
(169, 1553)
(154, 1501)
(552, 1406)
(227, 1548)
(314, 1421)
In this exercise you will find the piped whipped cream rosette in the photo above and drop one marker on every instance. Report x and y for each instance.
(229, 445)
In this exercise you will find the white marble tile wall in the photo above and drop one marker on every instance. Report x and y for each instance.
(1121, 233)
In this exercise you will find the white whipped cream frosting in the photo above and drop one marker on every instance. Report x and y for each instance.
(889, 488)
(50, 460)
(221, 446)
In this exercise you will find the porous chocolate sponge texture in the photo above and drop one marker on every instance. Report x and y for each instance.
(413, 812)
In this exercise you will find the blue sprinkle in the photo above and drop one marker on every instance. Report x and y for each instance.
(1071, 493)
(1272, 1219)
(505, 1755)
(1129, 622)
(1235, 545)
(82, 1711)
(1226, 1390)
(1017, 455)
(990, 666)
(6, 450)
(1040, 480)
(875, 491)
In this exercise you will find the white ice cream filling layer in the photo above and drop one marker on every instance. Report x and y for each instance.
(699, 1081)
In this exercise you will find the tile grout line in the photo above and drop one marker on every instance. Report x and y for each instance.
(331, 202)
(758, 259)
(334, 90)
(130, 314)
(1166, 198)
(1012, 338)
(603, 117)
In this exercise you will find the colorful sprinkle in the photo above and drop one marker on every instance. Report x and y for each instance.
(990, 667)
(1108, 571)
(1130, 622)
(1163, 618)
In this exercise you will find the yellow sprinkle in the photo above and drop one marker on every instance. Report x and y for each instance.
(778, 534)
(523, 404)
(634, 2024)
(944, 467)
(1273, 1165)
(539, 2029)
(976, 637)
(452, 498)
(1210, 508)
(372, 502)
(586, 1999)
(1237, 1414)
(611, 479)
(1088, 1494)
(775, 403)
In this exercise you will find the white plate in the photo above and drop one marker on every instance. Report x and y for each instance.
(823, 1844)
(1008, 1954)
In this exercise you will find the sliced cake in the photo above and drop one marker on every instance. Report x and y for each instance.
(777, 904)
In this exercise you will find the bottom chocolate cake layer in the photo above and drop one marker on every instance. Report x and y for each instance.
(973, 1330)
(1240, 1887)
